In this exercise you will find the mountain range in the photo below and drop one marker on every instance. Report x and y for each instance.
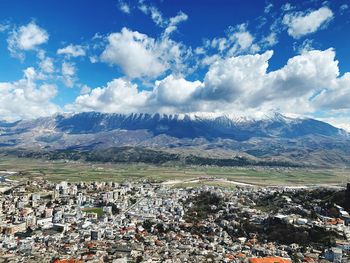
(206, 138)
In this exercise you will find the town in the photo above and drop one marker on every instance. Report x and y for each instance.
(154, 222)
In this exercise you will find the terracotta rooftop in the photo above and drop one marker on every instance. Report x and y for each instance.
(269, 260)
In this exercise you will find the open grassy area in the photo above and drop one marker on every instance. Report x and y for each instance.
(204, 183)
(69, 171)
(97, 210)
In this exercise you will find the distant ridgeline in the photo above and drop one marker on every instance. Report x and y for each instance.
(145, 155)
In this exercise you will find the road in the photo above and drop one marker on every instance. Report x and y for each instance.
(221, 180)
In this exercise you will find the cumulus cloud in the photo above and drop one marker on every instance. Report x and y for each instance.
(72, 51)
(244, 82)
(175, 91)
(169, 95)
(28, 37)
(336, 96)
(242, 40)
(46, 63)
(25, 98)
(85, 90)
(139, 55)
(136, 54)
(119, 95)
(238, 40)
(68, 71)
(303, 23)
(227, 79)
(270, 40)
(307, 83)
(302, 77)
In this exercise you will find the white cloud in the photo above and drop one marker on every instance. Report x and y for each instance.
(238, 40)
(303, 23)
(270, 40)
(174, 21)
(25, 99)
(25, 38)
(85, 90)
(119, 95)
(139, 55)
(72, 51)
(175, 91)
(46, 63)
(242, 39)
(339, 120)
(302, 77)
(68, 71)
(243, 81)
(136, 54)
(336, 96)
(219, 43)
(156, 15)
(240, 83)
(308, 83)
(170, 24)
(307, 45)
(93, 59)
(124, 7)
(228, 79)
(171, 94)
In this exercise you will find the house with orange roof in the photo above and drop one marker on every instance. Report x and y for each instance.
(269, 260)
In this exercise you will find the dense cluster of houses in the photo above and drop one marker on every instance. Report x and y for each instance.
(145, 222)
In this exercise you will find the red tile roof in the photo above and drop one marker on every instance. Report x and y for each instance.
(269, 260)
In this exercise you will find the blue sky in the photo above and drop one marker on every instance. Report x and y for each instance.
(175, 56)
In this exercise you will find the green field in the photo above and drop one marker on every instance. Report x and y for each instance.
(34, 169)
(97, 210)
(205, 183)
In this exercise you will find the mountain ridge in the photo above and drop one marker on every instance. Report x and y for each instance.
(296, 140)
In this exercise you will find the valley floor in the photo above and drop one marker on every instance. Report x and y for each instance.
(57, 171)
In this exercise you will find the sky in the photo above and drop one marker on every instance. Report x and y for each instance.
(236, 57)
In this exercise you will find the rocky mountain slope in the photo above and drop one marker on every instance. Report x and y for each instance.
(271, 138)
